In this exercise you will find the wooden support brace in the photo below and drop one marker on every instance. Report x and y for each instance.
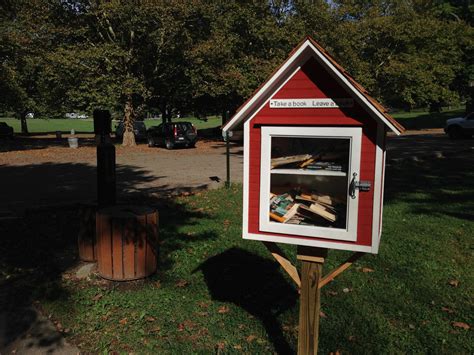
(341, 268)
(280, 256)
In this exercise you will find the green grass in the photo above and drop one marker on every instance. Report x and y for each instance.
(51, 125)
(424, 119)
(87, 126)
(410, 120)
(215, 290)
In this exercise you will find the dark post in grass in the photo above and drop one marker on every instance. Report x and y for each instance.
(106, 185)
(227, 151)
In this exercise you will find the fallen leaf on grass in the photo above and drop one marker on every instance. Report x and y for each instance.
(157, 284)
(461, 325)
(97, 297)
(155, 330)
(220, 345)
(411, 326)
(203, 304)
(251, 338)
(123, 321)
(454, 283)
(182, 283)
(346, 290)
(337, 352)
(367, 269)
(332, 293)
(223, 309)
(322, 314)
(150, 319)
(447, 310)
(351, 338)
(238, 347)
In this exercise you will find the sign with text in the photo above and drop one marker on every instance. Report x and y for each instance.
(311, 103)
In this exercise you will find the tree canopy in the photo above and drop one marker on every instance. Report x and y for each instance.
(208, 56)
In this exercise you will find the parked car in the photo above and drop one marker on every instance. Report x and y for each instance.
(73, 115)
(6, 130)
(460, 127)
(172, 134)
(139, 129)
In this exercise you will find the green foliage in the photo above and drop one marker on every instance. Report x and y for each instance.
(60, 56)
(402, 52)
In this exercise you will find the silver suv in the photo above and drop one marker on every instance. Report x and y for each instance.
(460, 127)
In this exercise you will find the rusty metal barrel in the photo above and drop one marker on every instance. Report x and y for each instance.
(87, 228)
(127, 240)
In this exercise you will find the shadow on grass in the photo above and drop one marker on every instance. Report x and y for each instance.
(254, 284)
(38, 246)
(435, 185)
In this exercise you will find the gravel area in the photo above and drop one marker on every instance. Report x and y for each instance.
(38, 171)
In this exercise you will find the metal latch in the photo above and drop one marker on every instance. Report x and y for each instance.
(360, 185)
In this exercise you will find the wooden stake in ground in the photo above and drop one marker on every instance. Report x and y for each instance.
(312, 260)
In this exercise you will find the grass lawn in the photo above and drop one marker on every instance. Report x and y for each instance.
(87, 126)
(410, 120)
(424, 119)
(216, 293)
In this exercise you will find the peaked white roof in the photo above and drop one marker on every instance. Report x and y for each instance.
(306, 49)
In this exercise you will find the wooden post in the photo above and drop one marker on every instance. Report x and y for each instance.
(312, 260)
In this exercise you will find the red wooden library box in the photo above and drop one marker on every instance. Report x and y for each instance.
(314, 156)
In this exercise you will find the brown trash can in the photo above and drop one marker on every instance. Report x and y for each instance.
(127, 239)
(87, 228)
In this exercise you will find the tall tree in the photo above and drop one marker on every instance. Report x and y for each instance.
(24, 34)
(400, 50)
(236, 45)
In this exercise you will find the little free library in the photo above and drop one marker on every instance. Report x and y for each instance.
(314, 156)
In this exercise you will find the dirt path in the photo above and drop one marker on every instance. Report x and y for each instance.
(44, 171)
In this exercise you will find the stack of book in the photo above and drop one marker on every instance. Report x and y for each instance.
(323, 165)
(302, 208)
(309, 161)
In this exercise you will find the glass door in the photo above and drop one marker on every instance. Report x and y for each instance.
(306, 173)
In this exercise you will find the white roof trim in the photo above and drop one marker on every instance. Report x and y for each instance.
(253, 102)
(283, 69)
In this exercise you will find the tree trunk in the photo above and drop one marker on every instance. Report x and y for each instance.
(165, 113)
(128, 120)
(24, 125)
